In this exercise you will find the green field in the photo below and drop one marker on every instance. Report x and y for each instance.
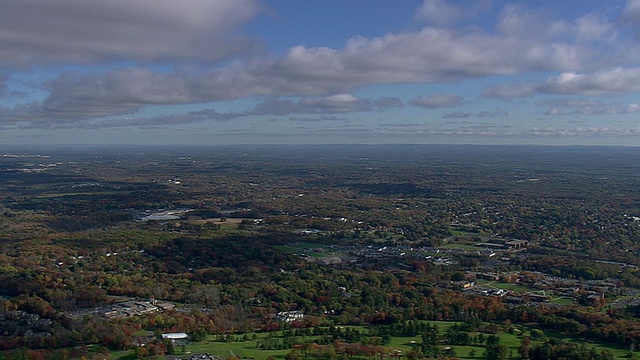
(250, 349)
(246, 349)
(309, 249)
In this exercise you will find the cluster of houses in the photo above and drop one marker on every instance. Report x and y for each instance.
(444, 257)
(544, 285)
(504, 244)
(203, 356)
(17, 319)
(133, 308)
(289, 316)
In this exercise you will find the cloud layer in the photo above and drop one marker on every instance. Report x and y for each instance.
(608, 82)
(43, 32)
(438, 101)
(114, 59)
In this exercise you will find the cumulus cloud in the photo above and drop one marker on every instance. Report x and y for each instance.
(401, 125)
(615, 109)
(126, 91)
(491, 113)
(593, 27)
(569, 102)
(103, 116)
(42, 32)
(341, 103)
(553, 111)
(3, 84)
(457, 115)
(479, 114)
(490, 130)
(586, 107)
(428, 55)
(316, 119)
(600, 83)
(438, 101)
(517, 19)
(141, 122)
(607, 82)
(203, 30)
(447, 12)
(582, 131)
(438, 12)
(631, 12)
(509, 91)
(388, 102)
(75, 96)
(520, 21)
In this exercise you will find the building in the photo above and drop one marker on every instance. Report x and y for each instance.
(289, 316)
(176, 338)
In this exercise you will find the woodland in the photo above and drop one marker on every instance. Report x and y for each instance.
(369, 243)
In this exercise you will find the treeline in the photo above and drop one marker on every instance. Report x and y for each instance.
(85, 222)
(556, 349)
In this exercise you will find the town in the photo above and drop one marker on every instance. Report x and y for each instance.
(263, 253)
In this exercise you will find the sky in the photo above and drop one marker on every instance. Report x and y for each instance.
(217, 72)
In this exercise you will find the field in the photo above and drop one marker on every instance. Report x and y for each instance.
(249, 348)
(309, 249)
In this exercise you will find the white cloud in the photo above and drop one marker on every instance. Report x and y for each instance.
(590, 27)
(124, 91)
(587, 107)
(42, 32)
(3, 84)
(438, 101)
(584, 131)
(516, 19)
(438, 12)
(493, 130)
(569, 102)
(600, 83)
(509, 91)
(479, 114)
(79, 112)
(388, 102)
(317, 119)
(205, 29)
(457, 115)
(341, 103)
(594, 27)
(553, 111)
(491, 113)
(615, 109)
(631, 12)
(429, 55)
(606, 82)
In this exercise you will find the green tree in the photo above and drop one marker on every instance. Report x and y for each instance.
(495, 350)
(525, 348)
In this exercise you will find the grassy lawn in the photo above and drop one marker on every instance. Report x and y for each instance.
(247, 349)
(618, 351)
(250, 349)
(518, 288)
(123, 355)
(562, 300)
(309, 249)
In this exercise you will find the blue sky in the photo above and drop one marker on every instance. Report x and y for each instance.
(319, 72)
